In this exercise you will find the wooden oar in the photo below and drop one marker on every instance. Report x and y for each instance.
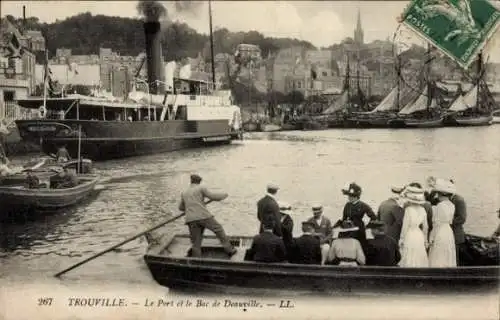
(118, 245)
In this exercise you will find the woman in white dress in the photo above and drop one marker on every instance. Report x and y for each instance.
(442, 252)
(413, 241)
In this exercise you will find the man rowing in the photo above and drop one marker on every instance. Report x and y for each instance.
(198, 218)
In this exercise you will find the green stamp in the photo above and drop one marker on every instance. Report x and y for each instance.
(459, 28)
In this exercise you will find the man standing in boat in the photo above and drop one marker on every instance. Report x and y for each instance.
(267, 207)
(391, 213)
(198, 218)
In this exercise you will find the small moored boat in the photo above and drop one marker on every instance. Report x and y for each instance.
(18, 199)
(170, 267)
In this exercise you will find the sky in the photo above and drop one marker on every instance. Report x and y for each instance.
(320, 22)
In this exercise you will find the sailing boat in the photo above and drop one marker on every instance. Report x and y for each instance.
(386, 110)
(423, 112)
(475, 107)
(337, 113)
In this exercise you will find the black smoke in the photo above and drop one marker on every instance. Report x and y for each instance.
(151, 10)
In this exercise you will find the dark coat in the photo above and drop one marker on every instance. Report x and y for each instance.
(459, 218)
(392, 215)
(287, 229)
(306, 250)
(324, 229)
(266, 247)
(355, 212)
(382, 251)
(268, 208)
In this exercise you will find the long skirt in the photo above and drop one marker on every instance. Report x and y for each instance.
(413, 253)
(442, 253)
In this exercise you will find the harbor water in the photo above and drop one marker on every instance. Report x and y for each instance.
(310, 168)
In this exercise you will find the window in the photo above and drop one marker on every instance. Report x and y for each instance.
(324, 74)
(299, 84)
(9, 96)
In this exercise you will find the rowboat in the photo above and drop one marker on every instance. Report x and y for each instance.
(214, 271)
(17, 200)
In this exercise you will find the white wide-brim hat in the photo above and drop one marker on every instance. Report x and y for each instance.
(284, 206)
(444, 186)
(413, 195)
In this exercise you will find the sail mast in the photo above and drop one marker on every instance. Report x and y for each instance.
(429, 90)
(398, 80)
(479, 75)
(211, 41)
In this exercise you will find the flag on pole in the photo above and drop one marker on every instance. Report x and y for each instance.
(458, 28)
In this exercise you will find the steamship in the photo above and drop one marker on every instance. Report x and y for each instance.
(189, 114)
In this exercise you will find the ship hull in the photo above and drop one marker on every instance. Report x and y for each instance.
(469, 121)
(105, 140)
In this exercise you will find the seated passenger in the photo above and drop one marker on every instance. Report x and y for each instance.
(323, 229)
(306, 249)
(32, 181)
(382, 250)
(346, 249)
(62, 155)
(266, 246)
(64, 179)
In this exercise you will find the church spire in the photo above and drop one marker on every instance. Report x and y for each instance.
(358, 33)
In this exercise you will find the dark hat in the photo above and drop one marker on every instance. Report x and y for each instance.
(375, 224)
(195, 178)
(352, 189)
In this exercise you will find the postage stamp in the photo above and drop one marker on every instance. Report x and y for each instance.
(459, 28)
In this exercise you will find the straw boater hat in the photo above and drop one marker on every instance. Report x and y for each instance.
(272, 186)
(444, 186)
(317, 208)
(413, 195)
(347, 226)
(397, 189)
(284, 206)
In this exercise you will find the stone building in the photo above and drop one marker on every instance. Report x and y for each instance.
(17, 68)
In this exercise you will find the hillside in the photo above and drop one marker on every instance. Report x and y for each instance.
(85, 34)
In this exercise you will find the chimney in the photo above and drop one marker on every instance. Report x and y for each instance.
(154, 59)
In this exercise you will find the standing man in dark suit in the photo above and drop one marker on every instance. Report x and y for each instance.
(306, 249)
(266, 246)
(198, 218)
(268, 208)
(391, 213)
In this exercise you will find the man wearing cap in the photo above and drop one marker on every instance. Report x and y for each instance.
(198, 218)
(267, 207)
(391, 213)
(382, 250)
(355, 210)
(266, 246)
(322, 229)
(306, 248)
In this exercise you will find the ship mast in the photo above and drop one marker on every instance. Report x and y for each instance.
(211, 41)
(429, 89)
(398, 80)
(479, 76)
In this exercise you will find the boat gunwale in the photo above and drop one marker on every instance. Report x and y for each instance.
(90, 182)
(153, 255)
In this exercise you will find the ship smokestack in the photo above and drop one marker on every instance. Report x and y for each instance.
(152, 11)
(154, 59)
